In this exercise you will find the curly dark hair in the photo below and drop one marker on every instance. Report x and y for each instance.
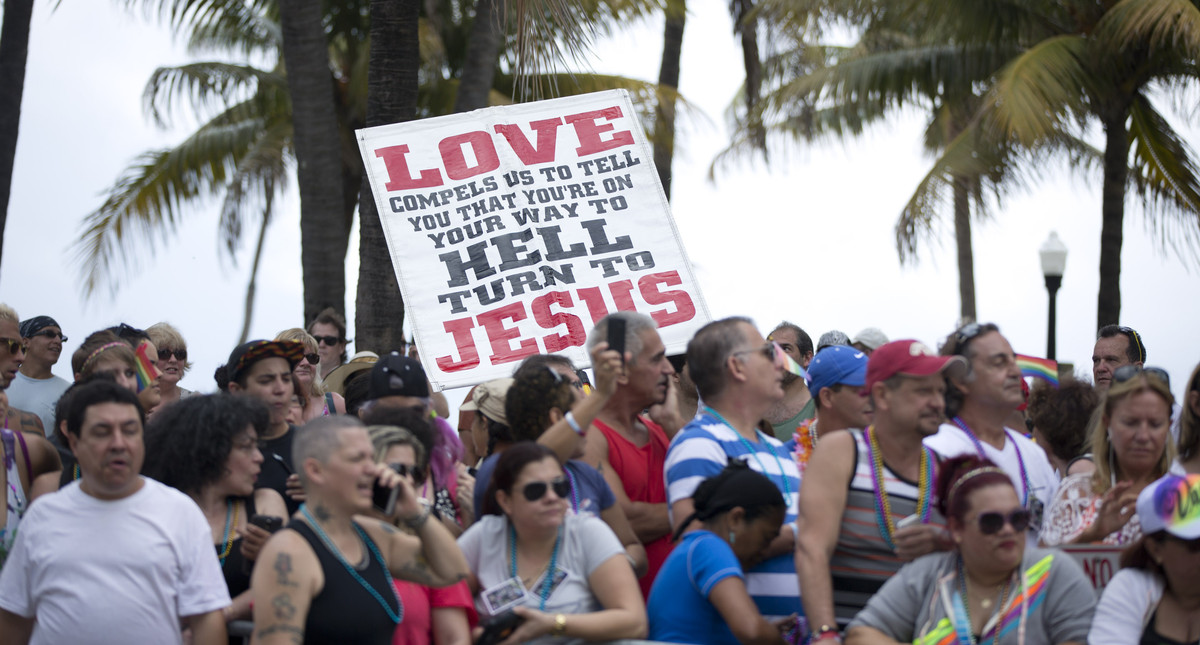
(530, 398)
(188, 442)
(1061, 414)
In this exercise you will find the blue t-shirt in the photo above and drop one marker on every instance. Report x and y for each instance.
(679, 608)
(590, 494)
(701, 450)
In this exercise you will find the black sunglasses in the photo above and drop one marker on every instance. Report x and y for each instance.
(14, 344)
(165, 354)
(417, 472)
(536, 490)
(1126, 372)
(991, 522)
(312, 358)
(51, 334)
(328, 340)
(558, 378)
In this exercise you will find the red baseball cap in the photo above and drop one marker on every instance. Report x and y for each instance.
(910, 358)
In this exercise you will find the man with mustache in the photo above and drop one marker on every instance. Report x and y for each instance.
(865, 503)
(979, 402)
(114, 557)
(35, 387)
(628, 447)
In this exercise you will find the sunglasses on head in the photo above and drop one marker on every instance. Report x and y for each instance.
(1126, 372)
(404, 470)
(536, 490)
(559, 378)
(165, 354)
(14, 344)
(1135, 339)
(51, 334)
(329, 341)
(991, 522)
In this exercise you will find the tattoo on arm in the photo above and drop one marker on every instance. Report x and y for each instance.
(296, 632)
(418, 571)
(284, 610)
(283, 567)
(388, 528)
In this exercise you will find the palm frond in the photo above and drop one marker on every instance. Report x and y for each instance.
(1165, 174)
(203, 86)
(1036, 94)
(1151, 26)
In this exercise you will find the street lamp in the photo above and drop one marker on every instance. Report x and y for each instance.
(1054, 260)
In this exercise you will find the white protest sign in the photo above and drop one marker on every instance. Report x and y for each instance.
(1100, 563)
(514, 229)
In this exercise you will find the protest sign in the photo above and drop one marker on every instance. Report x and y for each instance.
(513, 229)
(1100, 562)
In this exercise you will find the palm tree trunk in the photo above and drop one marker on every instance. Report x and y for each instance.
(14, 51)
(323, 234)
(966, 255)
(747, 26)
(391, 98)
(668, 78)
(252, 287)
(483, 51)
(1112, 208)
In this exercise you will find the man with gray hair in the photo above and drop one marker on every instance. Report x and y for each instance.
(797, 404)
(739, 376)
(1116, 347)
(628, 447)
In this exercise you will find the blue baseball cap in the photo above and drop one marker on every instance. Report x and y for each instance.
(837, 364)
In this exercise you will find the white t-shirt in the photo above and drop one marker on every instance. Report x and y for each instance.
(587, 543)
(1125, 607)
(123, 571)
(951, 441)
(37, 396)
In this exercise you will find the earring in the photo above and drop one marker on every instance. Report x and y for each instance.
(732, 537)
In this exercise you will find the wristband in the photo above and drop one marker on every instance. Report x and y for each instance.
(560, 625)
(573, 423)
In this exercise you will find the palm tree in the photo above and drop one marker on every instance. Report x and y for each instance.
(14, 50)
(668, 79)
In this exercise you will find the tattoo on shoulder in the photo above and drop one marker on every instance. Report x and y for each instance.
(283, 569)
(296, 632)
(321, 513)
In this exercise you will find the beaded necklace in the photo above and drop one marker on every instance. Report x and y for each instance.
(232, 510)
(548, 579)
(75, 473)
(787, 490)
(970, 627)
(883, 507)
(574, 490)
(979, 451)
(395, 616)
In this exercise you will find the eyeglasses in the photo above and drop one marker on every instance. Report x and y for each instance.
(329, 341)
(991, 522)
(312, 358)
(558, 378)
(534, 491)
(768, 350)
(14, 345)
(165, 354)
(1126, 372)
(404, 470)
(51, 335)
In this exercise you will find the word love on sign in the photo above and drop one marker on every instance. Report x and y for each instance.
(513, 229)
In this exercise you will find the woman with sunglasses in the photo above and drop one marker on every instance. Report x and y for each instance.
(437, 615)
(699, 595)
(989, 589)
(317, 402)
(1189, 427)
(329, 332)
(564, 576)
(1131, 445)
(172, 361)
(207, 447)
(1155, 598)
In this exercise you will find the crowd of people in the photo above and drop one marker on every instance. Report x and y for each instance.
(752, 490)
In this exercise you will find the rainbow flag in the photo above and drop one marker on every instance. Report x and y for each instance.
(147, 373)
(1042, 368)
(791, 365)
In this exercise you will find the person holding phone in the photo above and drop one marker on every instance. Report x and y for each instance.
(207, 447)
(327, 576)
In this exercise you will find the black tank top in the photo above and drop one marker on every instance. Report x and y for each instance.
(345, 612)
(236, 568)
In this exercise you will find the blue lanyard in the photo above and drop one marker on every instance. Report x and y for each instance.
(787, 490)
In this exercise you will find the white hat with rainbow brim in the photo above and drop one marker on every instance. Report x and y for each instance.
(1171, 504)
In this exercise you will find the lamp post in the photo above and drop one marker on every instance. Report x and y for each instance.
(1054, 259)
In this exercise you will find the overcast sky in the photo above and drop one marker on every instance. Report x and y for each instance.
(807, 240)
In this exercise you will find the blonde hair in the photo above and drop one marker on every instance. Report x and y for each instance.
(1102, 477)
(165, 336)
(9, 314)
(315, 389)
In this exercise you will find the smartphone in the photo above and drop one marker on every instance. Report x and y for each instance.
(384, 498)
(499, 627)
(616, 336)
(268, 523)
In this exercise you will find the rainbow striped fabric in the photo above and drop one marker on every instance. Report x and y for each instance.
(147, 373)
(1042, 368)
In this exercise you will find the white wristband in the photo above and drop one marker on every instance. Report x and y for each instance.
(573, 423)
